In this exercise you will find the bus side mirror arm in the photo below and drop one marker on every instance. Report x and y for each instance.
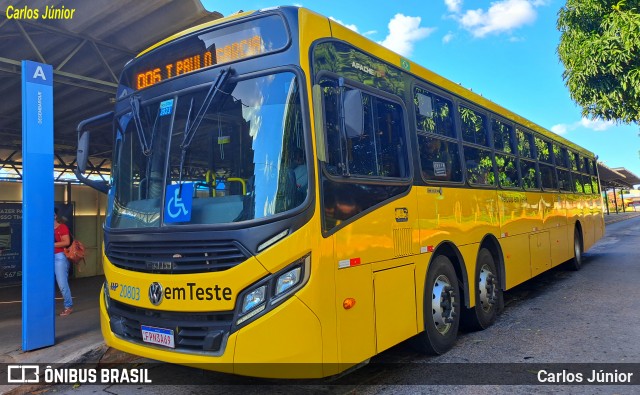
(82, 152)
(101, 186)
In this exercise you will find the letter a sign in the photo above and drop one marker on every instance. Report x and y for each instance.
(38, 325)
(39, 74)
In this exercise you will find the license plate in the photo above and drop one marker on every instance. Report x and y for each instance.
(161, 336)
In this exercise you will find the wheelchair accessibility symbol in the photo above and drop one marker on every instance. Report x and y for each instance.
(178, 205)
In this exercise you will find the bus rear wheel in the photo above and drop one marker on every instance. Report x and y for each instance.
(441, 308)
(576, 262)
(488, 294)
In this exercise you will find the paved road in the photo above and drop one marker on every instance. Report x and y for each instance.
(559, 317)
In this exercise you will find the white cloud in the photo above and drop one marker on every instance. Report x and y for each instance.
(453, 5)
(352, 27)
(538, 3)
(561, 128)
(503, 16)
(370, 33)
(448, 37)
(598, 125)
(404, 31)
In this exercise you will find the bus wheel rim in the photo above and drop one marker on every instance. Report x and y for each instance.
(487, 288)
(442, 304)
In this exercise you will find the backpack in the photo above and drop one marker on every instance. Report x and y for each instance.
(75, 252)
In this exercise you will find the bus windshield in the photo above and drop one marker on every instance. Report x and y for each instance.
(243, 154)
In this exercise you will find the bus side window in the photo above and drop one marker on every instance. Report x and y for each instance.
(586, 181)
(543, 149)
(548, 177)
(502, 136)
(529, 174)
(564, 180)
(594, 184)
(433, 113)
(524, 143)
(479, 166)
(577, 181)
(507, 171)
(378, 150)
(474, 128)
(439, 159)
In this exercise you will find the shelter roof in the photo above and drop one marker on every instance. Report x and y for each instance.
(618, 177)
(87, 53)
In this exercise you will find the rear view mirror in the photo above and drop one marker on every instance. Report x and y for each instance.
(353, 113)
(82, 152)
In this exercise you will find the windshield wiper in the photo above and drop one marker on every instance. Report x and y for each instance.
(208, 99)
(134, 101)
(191, 128)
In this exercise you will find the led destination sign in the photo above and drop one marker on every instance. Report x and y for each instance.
(199, 51)
(234, 51)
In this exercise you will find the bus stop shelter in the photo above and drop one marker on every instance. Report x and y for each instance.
(617, 179)
(87, 53)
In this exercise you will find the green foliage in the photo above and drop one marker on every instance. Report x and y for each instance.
(543, 149)
(524, 144)
(600, 49)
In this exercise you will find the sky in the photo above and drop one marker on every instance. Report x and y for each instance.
(504, 50)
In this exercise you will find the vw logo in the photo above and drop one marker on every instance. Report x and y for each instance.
(155, 293)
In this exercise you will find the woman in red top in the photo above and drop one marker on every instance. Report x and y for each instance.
(61, 241)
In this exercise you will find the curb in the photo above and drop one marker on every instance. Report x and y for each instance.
(88, 355)
(618, 219)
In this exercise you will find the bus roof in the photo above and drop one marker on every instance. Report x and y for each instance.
(385, 54)
(341, 32)
(190, 30)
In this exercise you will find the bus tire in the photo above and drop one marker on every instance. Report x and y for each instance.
(488, 294)
(441, 308)
(576, 262)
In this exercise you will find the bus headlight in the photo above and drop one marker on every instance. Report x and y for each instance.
(287, 281)
(272, 290)
(105, 292)
(254, 298)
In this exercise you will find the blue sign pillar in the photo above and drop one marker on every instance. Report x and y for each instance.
(38, 324)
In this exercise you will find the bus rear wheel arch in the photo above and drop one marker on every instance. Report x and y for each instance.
(442, 301)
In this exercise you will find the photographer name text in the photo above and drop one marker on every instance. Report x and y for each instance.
(50, 12)
(596, 376)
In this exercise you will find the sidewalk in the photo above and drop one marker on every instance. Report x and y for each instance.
(616, 217)
(78, 337)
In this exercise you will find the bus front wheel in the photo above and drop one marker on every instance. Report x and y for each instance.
(441, 308)
(488, 294)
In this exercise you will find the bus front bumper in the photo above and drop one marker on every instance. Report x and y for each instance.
(284, 343)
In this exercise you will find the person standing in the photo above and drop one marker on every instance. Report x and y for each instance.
(62, 239)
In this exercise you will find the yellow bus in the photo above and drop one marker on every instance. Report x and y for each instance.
(289, 199)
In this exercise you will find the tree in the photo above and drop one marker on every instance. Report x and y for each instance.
(600, 49)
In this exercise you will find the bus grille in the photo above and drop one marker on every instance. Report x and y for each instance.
(402, 242)
(184, 256)
(197, 333)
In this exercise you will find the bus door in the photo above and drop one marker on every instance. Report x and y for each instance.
(371, 212)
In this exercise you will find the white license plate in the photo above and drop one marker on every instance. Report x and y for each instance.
(161, 336)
